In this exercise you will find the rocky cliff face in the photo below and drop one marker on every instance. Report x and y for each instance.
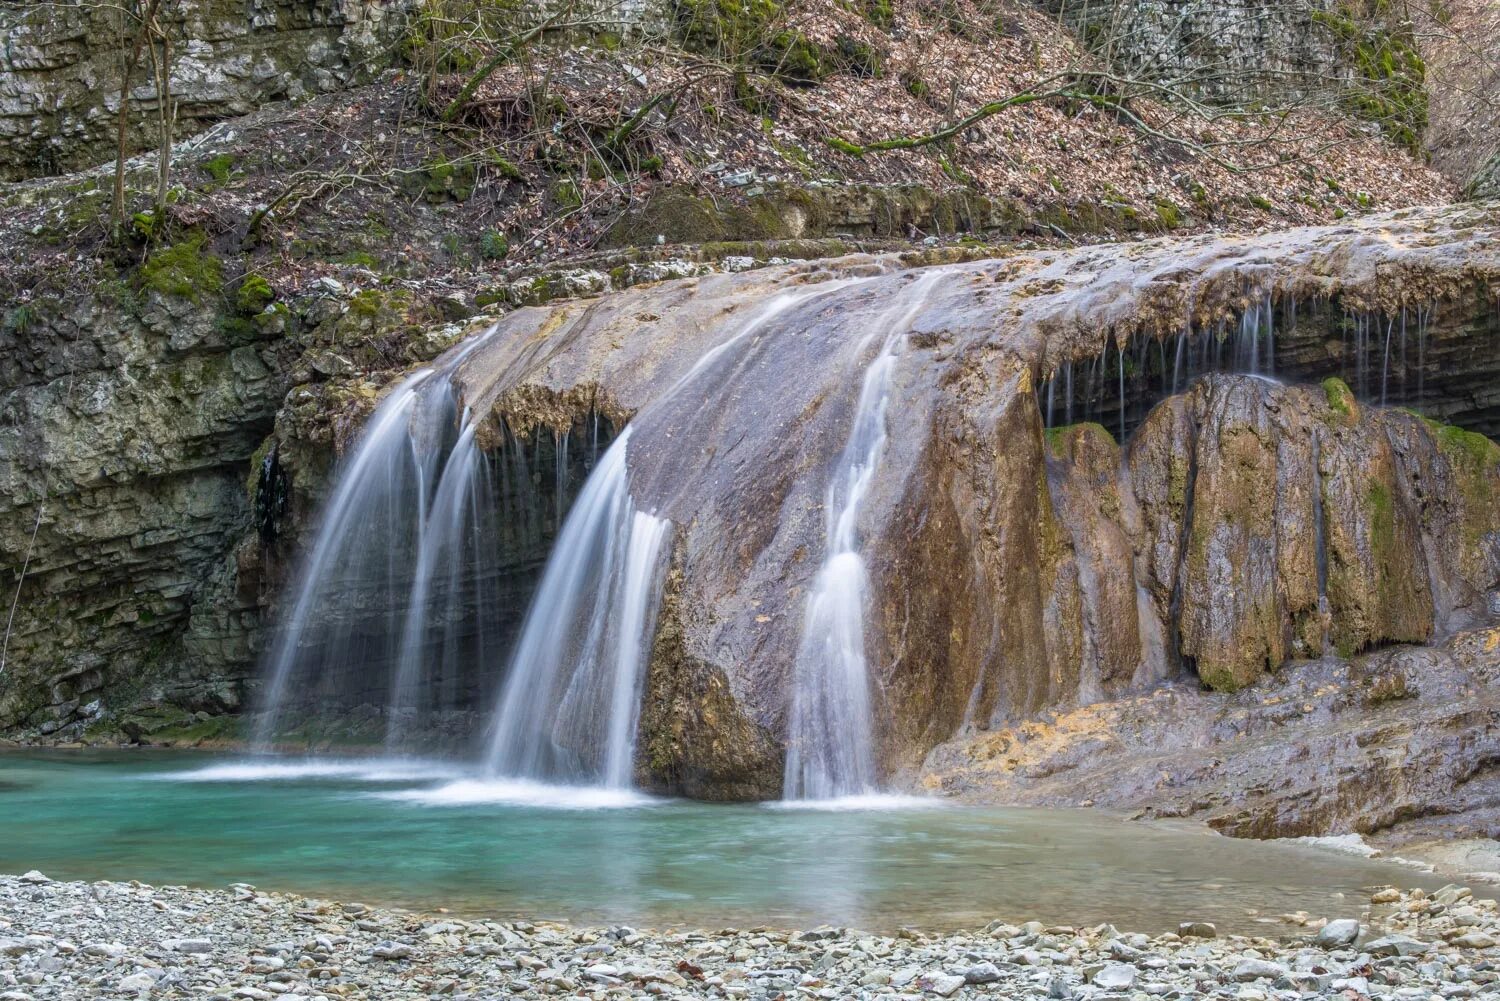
(133, 446)
(60, 69)
(1225, 49)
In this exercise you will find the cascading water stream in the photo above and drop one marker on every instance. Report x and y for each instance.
(367, 492)
(830, 746)
(398, 591)
(441, 541)
(569, 707)
(577, 670)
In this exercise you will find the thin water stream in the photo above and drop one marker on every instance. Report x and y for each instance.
(830, 738)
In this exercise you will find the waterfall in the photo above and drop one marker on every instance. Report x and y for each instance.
(394, 594)
(830, 745)
(461, 500)
(569, 708)
(567, 711)
(396, 605)
(366, 494)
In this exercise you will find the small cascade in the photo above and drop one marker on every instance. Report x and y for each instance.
(452, 535)
(1379, 356)
(397, 593)
(568, 709)
(830, 740)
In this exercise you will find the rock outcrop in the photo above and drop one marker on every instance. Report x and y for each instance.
(60, 69)
(142, 503)
(1224, 49)
(1014, 569)
(1402, 742)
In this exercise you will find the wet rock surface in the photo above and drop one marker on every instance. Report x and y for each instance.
(68, 940)
(1401, 742)
(1015, 570)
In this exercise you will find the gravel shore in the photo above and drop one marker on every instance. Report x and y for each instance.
(92, 940)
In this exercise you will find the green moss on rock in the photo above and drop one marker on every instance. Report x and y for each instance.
(183, 270)
(255, 294)
(220, 167)
(1061, 441)
(1340, 399)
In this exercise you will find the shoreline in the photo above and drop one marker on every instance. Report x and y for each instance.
(1472, 860)
(74, 940)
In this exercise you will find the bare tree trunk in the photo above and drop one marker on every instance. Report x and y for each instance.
(166, 114)
(127, 70)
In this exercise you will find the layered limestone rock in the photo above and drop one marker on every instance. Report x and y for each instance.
(1226, 49)
(1280, 521)
(1401, 742)
(142, 506)
(60, 69)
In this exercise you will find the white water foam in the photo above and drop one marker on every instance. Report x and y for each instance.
(864, 802)
(369, 770)
(522, 792)
(1344, 844)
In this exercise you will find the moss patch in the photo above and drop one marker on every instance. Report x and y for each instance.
(1061, 441)
(255, 294)
(1340, 399)
(220, 167)
(1391, 77)
(183, 270)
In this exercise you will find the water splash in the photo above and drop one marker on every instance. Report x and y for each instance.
(830, 746)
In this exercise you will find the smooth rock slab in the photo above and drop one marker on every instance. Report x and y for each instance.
(1258, 969)
(944, 985)
(1116, 977)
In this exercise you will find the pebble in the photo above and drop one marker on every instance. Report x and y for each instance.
(1396, 945)
(76, 941)
(1336, 933)
(942, 984)
(1258, 969)
(393, 950)
(982, 973)
(1116, 977)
